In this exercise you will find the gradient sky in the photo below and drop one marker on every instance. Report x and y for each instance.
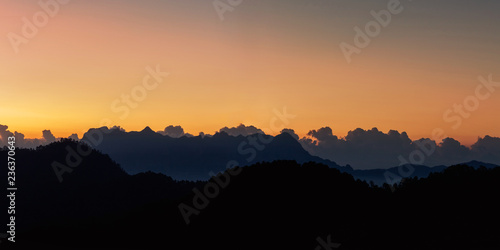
(264, 55)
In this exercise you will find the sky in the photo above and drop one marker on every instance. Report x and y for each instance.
(71, 73)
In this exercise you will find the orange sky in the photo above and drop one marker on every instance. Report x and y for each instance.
(261, 57)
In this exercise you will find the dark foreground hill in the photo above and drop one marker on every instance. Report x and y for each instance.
(282, 205)
(96, 187)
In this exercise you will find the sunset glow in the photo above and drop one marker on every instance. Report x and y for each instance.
(264, 55)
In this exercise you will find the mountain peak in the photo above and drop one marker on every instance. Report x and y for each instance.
(285, 136)
(477, 164)
(147, 130)
(221, 134)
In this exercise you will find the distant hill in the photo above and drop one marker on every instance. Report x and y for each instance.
(396, 174)
(478, 164)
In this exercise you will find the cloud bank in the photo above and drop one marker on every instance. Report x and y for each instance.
(173, 131)
(241, 130)
(369, 149)
(361, 149)
(22, 142)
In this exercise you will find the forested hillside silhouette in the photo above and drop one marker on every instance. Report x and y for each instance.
(280, 204)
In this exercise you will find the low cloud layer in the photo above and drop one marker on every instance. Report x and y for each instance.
(48, 136)
(241, 130)
(361, 149)
(368, 149)
(22, 142)
(173, 131)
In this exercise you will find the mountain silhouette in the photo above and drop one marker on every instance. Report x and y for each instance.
(396, 174)
(147, 130)
(193, 158)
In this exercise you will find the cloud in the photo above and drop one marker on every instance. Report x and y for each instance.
(324, 134)
(19, 136)
(487, 144)
(117, 128)
(241, 130)
(48, 136)
(362, 149)
(487, 149)
(73, 137)
(203, 135)
(291, 132)
(368, 149)
(451, 149)
(4, 134)
(21, 141)
(173, 131)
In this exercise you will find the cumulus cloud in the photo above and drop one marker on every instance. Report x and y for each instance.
(48, 136)
(4, 134)
(323, 135)
(21, 141)
(74, 137)
(362, 149)
(203, 135)
(117, 128)
(451, 150)
(173, 131)
(291, 132)
(241, 130)
(487, 149)
(19, 136)
(368, 149)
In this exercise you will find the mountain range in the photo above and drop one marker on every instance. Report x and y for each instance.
(199, 157)
(194, 158)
